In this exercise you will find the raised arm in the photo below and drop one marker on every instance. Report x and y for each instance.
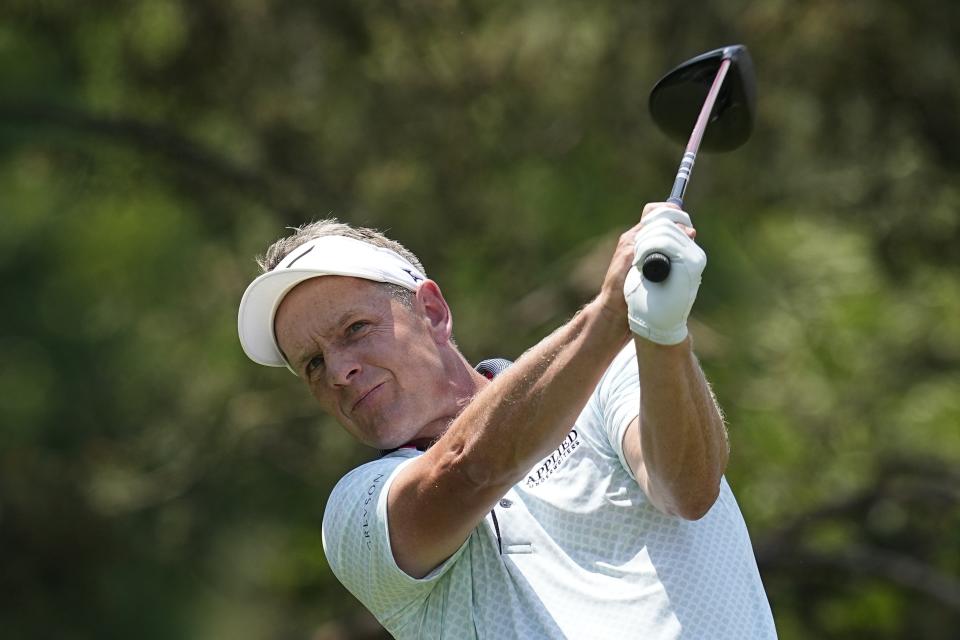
(677, 445)
(439, 498)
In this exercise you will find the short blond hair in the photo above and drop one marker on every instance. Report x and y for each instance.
(331, 227)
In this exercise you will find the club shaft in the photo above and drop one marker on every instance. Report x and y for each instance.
(693, 145)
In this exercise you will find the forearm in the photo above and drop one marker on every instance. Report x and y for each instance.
(682, 435)
(527, 410)
(511, 423)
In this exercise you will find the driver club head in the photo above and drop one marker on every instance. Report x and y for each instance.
(677, 98)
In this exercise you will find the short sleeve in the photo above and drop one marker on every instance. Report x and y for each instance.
(356, 541)
(617, 399)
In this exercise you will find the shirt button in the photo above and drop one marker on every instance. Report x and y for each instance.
(505, 503)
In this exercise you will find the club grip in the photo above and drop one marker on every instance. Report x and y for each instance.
(656, 267)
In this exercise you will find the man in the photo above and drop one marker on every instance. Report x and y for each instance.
(553, 501)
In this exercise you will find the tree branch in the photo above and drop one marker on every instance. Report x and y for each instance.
(896, 568)
(288, 198)
(907, 482)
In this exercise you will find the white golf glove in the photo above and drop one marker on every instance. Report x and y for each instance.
(658, 311)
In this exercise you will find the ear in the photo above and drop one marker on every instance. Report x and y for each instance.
(436, 311)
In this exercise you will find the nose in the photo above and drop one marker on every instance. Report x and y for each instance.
(342, 367)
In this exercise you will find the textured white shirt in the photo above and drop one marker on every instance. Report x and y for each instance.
(580, 551)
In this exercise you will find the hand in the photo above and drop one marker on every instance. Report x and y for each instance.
(658, 311)
(611, 295)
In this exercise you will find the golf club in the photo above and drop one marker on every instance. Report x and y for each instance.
(716, 88)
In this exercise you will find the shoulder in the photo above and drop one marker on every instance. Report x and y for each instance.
(356, 492)
(356, 539)
(372, 471)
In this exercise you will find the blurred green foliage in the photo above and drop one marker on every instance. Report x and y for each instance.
(155, 484)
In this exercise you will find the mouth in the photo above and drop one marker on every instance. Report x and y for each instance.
(365, 396)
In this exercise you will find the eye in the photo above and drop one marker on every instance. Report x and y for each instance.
(356, 326)
(315, 363)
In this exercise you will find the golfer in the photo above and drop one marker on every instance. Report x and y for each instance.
(577, 494)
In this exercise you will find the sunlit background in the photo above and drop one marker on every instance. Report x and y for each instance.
(156, 484)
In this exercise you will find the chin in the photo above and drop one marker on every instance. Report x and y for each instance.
(389, 430)
(379, 436)
(389, 433)
(390, 441)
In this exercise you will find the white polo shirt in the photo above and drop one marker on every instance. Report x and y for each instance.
(580, 552)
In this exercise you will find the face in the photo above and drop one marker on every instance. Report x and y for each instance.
(374, 365)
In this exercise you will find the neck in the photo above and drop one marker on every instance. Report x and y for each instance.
(462, 383)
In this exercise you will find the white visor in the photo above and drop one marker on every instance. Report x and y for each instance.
(326, 256)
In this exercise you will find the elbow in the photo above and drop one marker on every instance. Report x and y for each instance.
(697, 509)
(697, 504)
(700, 498)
